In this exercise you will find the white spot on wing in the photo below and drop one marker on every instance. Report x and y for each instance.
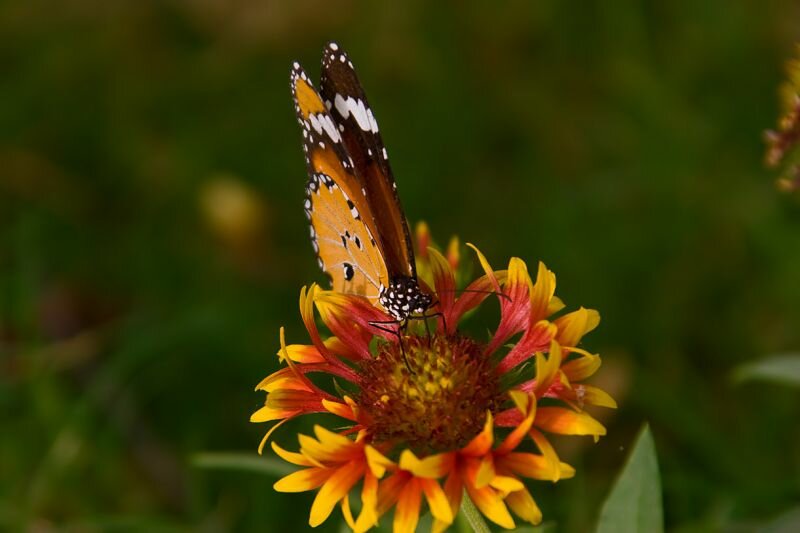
(372, 124)
(315, 123)
(341, 106)
(330, 128)
(359, 113)
(357, 108)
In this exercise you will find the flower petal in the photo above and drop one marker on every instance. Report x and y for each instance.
(302, 353)
(535, 339)
(291, 457)
(573, 326)
(331, 448)
(285, 378)
(431, 467)
(369, 504)
(389, 490)
(303, 480)
(526, 403)
(547, 369)
(423, 236)
(445, 284)
(406, 513)
(486, 472)
(307, 297)
(472, 296)
(266, 413)
(437, 501)
(486, 267)
(491, 505)
(269, 433)
(595, 396)
(347, 513)
(340, 409)
(549, 453)
(565, 422)
(483, 441)
(335, 488)
(351, 319)
(376, 461)
(542, 293)
(453, 490)
(581, 367)
(506, 484)
(528, 465)
(453, 253)
(524, 506)
(515, 309)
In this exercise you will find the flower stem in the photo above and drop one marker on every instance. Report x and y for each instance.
(473, 516)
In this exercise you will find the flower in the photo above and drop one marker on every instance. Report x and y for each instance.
(783, 141)
(433, 415)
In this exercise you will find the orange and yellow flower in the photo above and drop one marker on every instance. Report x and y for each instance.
(431, 416)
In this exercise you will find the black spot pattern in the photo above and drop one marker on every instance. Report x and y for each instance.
(403, 298)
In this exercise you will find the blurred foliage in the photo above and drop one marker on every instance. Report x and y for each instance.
(783, 368)
(152, 238)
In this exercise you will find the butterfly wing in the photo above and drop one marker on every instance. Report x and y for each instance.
(345, 98)
(342, 227)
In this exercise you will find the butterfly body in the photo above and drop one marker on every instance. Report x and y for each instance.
(358, 229)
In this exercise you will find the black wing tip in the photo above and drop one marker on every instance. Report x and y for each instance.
(333, 53)
(333, 46)
(297, 72)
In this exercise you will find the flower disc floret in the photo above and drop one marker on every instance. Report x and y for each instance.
(430, 393)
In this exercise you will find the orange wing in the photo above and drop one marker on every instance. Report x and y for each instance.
(342, 226)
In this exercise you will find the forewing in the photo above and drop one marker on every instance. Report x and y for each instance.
(340, 217)
(345, 98)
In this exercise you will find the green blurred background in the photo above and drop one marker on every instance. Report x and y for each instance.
(152, 238)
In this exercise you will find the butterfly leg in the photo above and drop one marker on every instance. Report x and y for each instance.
(382, 325)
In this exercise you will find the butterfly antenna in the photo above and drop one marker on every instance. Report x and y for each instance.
(478, 291)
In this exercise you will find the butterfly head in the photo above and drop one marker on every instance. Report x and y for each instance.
(403, 298)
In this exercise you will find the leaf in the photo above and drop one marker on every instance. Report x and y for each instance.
(784, 368)
(634, 504)
(248, 462)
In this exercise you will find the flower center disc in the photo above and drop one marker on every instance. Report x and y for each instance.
(435, 402)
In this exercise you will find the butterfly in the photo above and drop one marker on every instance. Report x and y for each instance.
(358, 229)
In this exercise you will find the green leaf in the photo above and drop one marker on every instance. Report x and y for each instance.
(242, 461)
(783, 368)
(634, 504)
